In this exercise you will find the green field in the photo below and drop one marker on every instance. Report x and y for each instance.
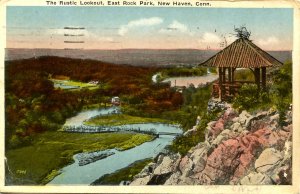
(51, 151)
(121, 119)
(77, 84)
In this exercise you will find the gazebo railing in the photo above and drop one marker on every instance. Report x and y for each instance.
(228, 89)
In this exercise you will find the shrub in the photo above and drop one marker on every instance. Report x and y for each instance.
(281, 90)
(244, 75)
(247, 97)
(14, 141)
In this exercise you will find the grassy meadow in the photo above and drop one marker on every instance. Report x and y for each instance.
(77, 85)
(121, 119)
(51, 151)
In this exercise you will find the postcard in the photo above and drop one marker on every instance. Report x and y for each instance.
(150, 96)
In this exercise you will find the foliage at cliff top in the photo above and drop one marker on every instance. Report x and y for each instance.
(278, 93)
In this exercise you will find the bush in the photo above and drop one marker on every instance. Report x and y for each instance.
(244, 75)
(247, 97)
(281, 90)
(14, 141)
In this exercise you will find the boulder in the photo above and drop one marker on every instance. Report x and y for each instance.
(159, 179)
(237, 127)
(213, 105)
(288, 149)
(217, 128)
(168, 164)
(277, 138)
(174, 179)
(274, 122)
(262, 114)
(289, 117)
(256, 179)
(141, 181)
(186, 166)
(147, 170)
(224, 135)
(221, 163)
(267, 160)
(243, 117)
(282, 175)
(199, 157)
(288, 128)
(235, 119)
(229, 114)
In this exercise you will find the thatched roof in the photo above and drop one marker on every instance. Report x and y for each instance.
(242, 53)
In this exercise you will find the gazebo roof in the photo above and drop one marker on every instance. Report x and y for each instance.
(242, 53)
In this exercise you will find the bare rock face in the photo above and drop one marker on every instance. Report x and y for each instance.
(157, 173)
(167, 165)
(256, 179)
(240, 148)
(268, 160)
(237, 127)
(244, 117)
(195, 161)
(141, 181)
(216, 127)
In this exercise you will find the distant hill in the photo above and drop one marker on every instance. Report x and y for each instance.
(137, 57)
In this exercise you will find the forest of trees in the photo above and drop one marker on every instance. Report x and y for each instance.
(33, 105)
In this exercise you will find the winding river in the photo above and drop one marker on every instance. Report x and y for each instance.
(195, 80)
(85, 175)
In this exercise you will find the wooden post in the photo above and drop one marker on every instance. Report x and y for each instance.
(232, 74)
(224, 75)
(230, 80)
(220, 82)
(257, 77)
(223, 82)
(263, 77)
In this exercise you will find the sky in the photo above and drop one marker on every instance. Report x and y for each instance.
(145, 27)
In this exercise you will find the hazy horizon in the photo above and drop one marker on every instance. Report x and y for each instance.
(139, 57)
(141, 49)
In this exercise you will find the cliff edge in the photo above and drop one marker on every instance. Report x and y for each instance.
(242, 149)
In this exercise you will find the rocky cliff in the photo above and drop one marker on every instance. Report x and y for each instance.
(243, 149)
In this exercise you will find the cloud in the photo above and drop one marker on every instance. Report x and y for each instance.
(211, 40)
(143, 22)
(105, 39)
(269, 41)
(84, 33)
(209, 37)
(95, 37)
(176, 26)
(61, 31)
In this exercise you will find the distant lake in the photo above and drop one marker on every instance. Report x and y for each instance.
(196, 80)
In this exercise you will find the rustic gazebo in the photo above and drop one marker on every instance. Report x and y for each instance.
(242, 53)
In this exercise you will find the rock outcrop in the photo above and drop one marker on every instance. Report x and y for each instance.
(244, 149)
